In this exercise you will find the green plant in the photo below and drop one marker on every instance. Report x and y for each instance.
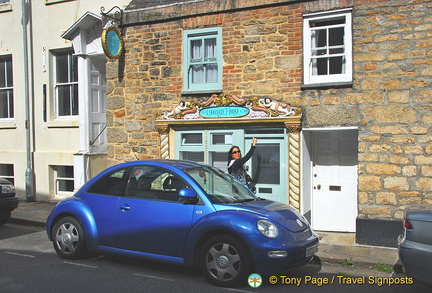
(346, 263)
(383, 268)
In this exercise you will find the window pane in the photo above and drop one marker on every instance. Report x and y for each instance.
(336, 65)
(336, 36)
(66, 185)
(111, 184)
(192, 156)
(74, 69)
(321, 64)
(3, 104)
(64, 99)
(7, 172)
(196, 46)
(319, 38)
(219, 160)
(210, 48)
(62, 68)
(197, 73)
(266, 163)
(222, 139)
(212, 73)
(6, 104)
(192, 138)
(75, 100)
(9, 80)
(65, 172)
(2, 73)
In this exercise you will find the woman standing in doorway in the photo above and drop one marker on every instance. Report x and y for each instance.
(236, 161)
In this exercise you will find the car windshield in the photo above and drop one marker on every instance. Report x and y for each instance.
(220, 186)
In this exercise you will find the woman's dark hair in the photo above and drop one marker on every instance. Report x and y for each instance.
(230, 153)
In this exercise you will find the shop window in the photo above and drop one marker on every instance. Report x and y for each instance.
(64, 179)
(191, 139)
(327, 48)
(66, 84)
(6, 88)
(7, 172)
(202, 60)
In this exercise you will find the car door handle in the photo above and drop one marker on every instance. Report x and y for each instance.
(125, 208)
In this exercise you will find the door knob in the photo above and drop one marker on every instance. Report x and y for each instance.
(318, 187)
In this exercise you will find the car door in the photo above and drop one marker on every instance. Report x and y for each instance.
(151, 218)
(103, 200)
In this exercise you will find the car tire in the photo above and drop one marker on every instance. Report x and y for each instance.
(4, 217)
(225, 261)
(68, 238)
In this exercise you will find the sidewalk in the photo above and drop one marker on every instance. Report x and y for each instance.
(334, 247)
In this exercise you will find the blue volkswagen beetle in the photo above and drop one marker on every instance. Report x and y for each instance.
(185, 213)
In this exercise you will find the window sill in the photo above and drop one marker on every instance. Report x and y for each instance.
(7, 125)
(197, 92)
(5, 7)
(327, 85)
(48, 2)
(63, 124)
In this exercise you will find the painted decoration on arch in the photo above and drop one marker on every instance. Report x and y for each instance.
(231, 106)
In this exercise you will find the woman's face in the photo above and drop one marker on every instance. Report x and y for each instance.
(236, 154)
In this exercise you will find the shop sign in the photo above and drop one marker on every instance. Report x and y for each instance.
(224, 112)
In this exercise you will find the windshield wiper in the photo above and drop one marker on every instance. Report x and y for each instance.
(248, 199)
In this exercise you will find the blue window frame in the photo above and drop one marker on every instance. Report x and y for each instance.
(202, 60)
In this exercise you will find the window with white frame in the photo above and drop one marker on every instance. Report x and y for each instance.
(202, 60)
(7, 172)
(6, 88)
(66, 84)
(327, 45)
(63, 179)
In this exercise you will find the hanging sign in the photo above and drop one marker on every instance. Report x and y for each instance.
(112, 42)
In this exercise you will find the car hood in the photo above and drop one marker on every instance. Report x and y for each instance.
(4, 181)
(281, 213)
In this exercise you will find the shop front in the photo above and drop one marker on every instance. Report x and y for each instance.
(204, 131)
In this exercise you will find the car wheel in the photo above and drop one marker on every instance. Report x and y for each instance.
(4, 217)
(225, 261)
(68, 238)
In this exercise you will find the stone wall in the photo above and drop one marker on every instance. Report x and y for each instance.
(390, 100)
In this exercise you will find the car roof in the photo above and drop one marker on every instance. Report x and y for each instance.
(178, 164)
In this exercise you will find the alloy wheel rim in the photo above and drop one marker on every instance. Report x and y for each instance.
(67, 238)
(223, 261)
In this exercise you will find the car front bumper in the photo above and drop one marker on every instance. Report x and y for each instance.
(277, 256)
(8, 203)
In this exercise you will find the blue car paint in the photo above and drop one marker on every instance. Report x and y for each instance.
(77, 208)
(207, 219)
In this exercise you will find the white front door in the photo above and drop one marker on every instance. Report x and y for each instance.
(98, 137)
(334, 179)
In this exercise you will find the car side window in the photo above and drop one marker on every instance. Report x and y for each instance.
(150, 182)
(111, 184)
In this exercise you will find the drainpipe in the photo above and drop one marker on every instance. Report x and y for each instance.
(29, 172)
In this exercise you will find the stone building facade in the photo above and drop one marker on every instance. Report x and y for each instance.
(386, 104)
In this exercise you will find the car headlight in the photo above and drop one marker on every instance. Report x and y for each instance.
(267, 229)
(7, 188)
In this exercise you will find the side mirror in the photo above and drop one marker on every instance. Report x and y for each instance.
(188, 196)
(187, 193)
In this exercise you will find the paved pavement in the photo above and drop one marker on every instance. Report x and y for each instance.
(334, 247)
